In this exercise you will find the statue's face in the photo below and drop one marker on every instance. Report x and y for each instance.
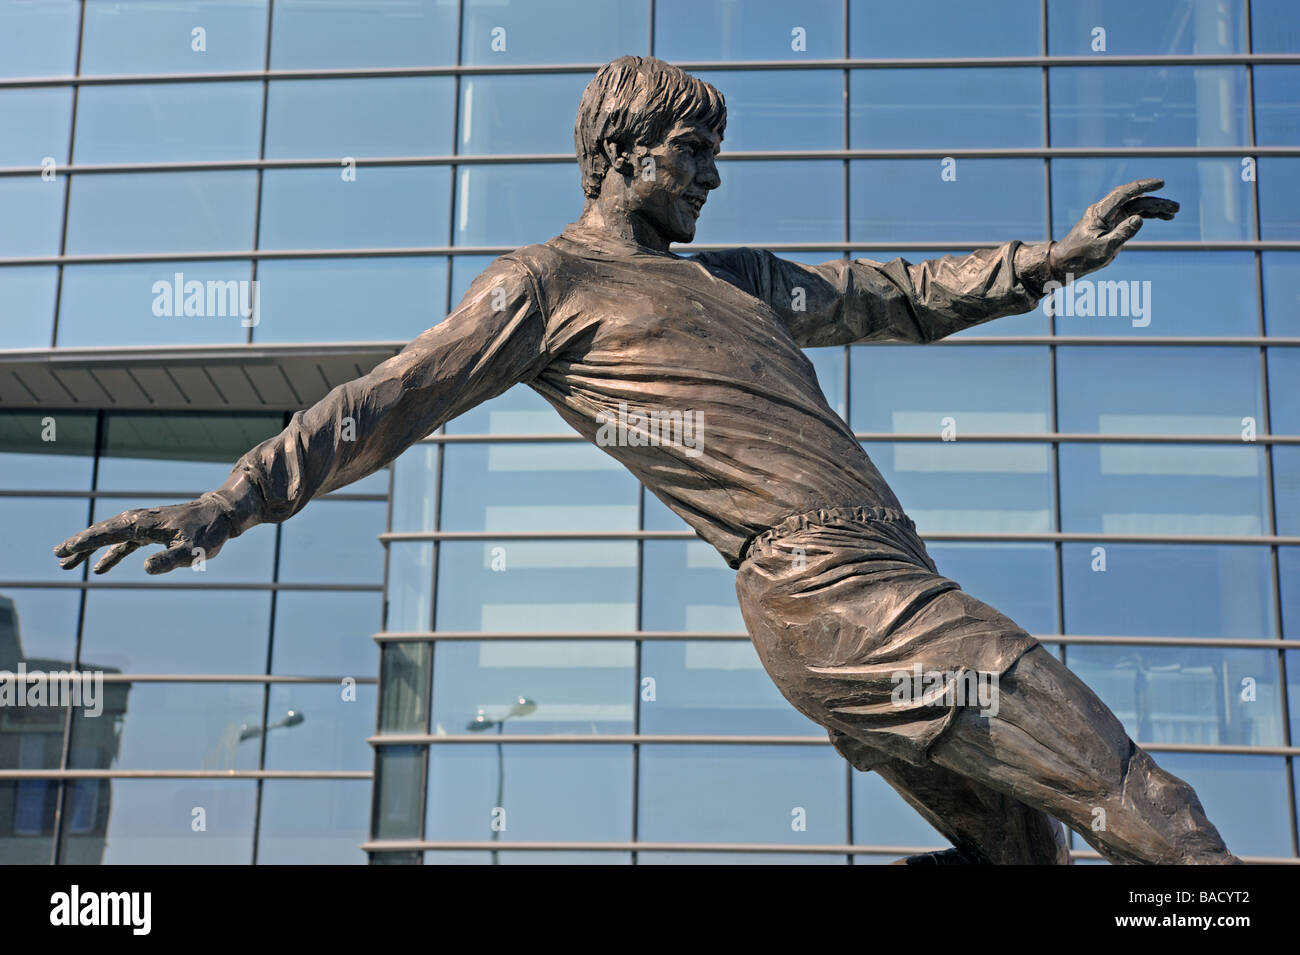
(672, 180)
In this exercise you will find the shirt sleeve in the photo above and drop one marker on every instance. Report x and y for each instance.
(860, 300)
(494, 338)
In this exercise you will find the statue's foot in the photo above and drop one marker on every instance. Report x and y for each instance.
(940, 857)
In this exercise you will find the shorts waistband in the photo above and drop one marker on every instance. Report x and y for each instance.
(823, 516)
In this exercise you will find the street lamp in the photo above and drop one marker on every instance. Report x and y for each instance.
(521, 707)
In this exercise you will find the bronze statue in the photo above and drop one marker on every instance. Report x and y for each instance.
(699, 361)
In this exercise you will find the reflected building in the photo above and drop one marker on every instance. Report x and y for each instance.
(1119, 473)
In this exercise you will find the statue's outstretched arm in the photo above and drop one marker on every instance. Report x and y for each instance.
(492, 340)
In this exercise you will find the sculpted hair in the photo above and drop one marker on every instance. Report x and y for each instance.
(638, 99)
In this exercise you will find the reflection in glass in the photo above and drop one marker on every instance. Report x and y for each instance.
(758, 30)
(320, 726)
(938, 28)
(359, 33)
(535, 487)
(942, 108)
(1191, 695)
(39, 39)
(549, 793)
(35, 121)
(519, 114)
(313, 821)
(159, 37)
(551, 31)
(537, 586)
(1155, 26)
(776, 109)
(909, 200)
(1246, 796)
(168, 122)
(742, 210)
(28, 319)
(714, 687)
(1168, 590)
(699, 793)
(689, 587)
(1018, 579)
(374, 116)
(580, 686)
(326, 633)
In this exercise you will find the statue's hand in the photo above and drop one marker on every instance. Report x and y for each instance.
(191, 530)
(1106, 226)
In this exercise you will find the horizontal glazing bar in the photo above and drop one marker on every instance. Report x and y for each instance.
(1070, 639)
(991, 537)
(1173, 59)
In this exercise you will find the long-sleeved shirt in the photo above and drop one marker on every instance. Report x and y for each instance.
(687, 370)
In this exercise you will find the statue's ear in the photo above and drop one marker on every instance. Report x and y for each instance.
(619, 157)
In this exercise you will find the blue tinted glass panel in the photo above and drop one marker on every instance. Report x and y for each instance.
(908, 200)
(1163, 489)
(552, 31)
(30, 209)
(548, 793)
(773, 110)
(735, 793)
(157, 303)
(410, 587)
(464, 269)
(320, 633)
(1166, 590)
(535, 487)
(385, 207)
(582, 686)
(692, 589)
(1288, 560)
(1274, 27)
(1282, 293)
(1216, 202)
(162, 212)
(375, 116)
(1284, 396)
(936, 109)
(714, 686)
(1286, 484)
(349, 300)
(320, 726)
(149, 822)
(514, 205)
(744, 858)
(1018, 579)
(742, 210)
(174, 36)
(399, 786)
(541, 586)
(46, 451)
(35, 123)
(1279, 198)
(1161, 293)
(168, 122)
(177, 631)
(358, 33)
(937, 28)
(28, 293)
(756, 30)
(1154, 390)
(519, 114)
(1192, 695)
(1156, 26)
(312, 544)
(1148, 106)
(1277, 105)
(313, 821)
(415, 489)
(39, 37)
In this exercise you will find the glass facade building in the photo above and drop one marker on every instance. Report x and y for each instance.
(502, 648)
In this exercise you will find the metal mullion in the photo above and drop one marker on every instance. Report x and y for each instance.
(636, 672)
(67, 184)
(66, 751)
(1270, 488)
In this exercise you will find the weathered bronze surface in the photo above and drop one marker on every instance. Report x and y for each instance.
(689, 371)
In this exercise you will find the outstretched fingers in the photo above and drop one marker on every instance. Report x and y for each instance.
(130, 527)
(1121, 195)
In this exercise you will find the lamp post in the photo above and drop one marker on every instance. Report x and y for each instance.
(521, 707)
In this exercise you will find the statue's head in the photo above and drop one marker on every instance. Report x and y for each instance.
(646, 137)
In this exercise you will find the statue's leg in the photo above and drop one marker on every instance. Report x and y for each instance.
(1056, 746)
(986, 827)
